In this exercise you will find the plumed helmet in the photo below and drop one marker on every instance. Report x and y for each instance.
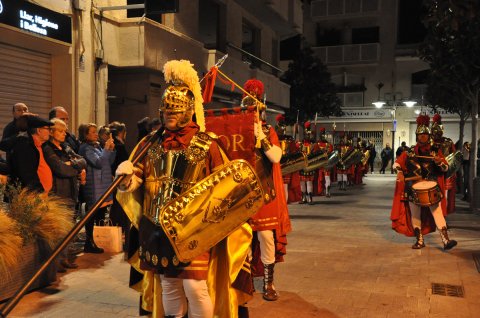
(423, 122)
(254, 87)
(183, 93)
(437, 127)
(308, 127)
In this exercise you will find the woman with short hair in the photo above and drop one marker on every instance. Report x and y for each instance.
(99, 177)
(68, 171)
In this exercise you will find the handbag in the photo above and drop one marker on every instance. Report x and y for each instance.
(108, 236)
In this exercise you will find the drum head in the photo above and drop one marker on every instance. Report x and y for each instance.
(424, 185)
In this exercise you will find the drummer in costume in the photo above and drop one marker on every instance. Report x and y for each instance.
(180, 158)
(447, 146)
(308, 146)
(324, 173)
(361, 168)
(288, 146)
(272, 223)
(418, 204)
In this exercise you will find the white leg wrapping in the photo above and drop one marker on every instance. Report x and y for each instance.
(327, 181)
(309, 186)
(436, 210)
(267, 246)
(416, 215)
(173, 297)
(199, 301)
(303, 186)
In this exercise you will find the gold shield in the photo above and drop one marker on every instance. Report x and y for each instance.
(199, 218)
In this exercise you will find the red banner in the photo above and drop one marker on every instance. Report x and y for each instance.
(235, 131)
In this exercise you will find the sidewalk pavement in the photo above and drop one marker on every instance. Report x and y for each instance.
(343, 261)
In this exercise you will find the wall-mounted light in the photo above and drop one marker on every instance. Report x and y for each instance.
(378, 104)
(417, 111)
(409, 103)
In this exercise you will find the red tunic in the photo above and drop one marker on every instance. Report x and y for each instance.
(272, 216)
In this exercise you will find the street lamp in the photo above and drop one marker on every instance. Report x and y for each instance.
(380, 104)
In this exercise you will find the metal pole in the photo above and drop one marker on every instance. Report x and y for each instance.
(19, 294)
(129, 6)
(255, 57)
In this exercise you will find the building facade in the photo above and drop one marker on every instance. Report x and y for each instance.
(369, 47)
(110, 68)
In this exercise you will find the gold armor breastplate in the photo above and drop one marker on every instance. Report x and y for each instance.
(169, 173)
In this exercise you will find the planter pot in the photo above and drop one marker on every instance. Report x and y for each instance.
(33, 256)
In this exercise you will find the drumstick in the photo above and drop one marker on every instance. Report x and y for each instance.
(413, 178)
(425, 157)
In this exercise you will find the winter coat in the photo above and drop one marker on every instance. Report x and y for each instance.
(99, 172)
(65, 176)
(23, 161)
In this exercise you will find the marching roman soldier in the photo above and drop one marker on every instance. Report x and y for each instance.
(344, 148)
(182, 157)
(419, 205)
(324, 173)
(306, 178)
(272, 223)
(447, 147)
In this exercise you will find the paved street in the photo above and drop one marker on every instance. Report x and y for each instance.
(343, 261)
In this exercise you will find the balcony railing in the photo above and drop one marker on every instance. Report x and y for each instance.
(349, 54)
(342, 8)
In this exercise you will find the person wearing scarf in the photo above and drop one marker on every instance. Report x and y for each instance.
(203, 287)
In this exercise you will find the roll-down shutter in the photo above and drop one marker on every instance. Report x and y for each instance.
(25, 76)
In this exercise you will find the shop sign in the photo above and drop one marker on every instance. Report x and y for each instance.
(442, 112)
(362, 113)
(36, 19)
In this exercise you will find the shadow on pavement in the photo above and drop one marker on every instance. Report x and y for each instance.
(289, 305)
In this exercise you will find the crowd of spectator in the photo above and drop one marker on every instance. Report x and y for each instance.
(42, 155)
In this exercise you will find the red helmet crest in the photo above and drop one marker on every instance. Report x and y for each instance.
(254, 87)
(437, 119)
(280, 118)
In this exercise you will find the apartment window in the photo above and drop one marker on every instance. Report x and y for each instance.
(136, 13)
(210, 19)
(365, 35)
(351, 99)
(290, 47)
(410, 27)
(328, 37)
(250, 43)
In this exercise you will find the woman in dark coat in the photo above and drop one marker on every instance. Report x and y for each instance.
(68, 170)
(99, 177)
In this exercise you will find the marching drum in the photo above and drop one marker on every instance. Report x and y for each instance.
(426, 193)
